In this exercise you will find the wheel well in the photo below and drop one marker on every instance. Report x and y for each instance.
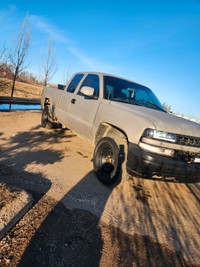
(109, 130)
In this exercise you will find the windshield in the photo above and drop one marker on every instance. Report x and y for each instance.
(120, 90)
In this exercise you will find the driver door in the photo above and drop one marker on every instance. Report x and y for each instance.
(82, 109)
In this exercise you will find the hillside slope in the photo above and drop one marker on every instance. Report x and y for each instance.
(25, 90)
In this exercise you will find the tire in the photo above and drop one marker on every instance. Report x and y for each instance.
(45, 118)
(107, 161)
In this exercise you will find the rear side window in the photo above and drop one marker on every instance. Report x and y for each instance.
(91, 80)
(74, 82)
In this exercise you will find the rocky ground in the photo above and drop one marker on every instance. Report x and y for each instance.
(7, 194)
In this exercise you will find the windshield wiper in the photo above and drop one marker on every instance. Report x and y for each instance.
(152, 105)
(125, 101)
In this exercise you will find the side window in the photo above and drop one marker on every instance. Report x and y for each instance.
(91, 80)
(74, 82)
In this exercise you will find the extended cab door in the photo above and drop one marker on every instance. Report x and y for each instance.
(83, 109)
(66, 97)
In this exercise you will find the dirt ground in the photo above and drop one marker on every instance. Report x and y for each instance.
(75, 220)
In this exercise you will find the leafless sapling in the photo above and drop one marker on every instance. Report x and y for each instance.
(18, 56)
(3, 69)
(48, 65)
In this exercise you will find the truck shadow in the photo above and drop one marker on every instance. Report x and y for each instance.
(77, 237)
(70, 237)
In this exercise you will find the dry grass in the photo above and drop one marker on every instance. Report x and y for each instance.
(23, 90)
(6, 194)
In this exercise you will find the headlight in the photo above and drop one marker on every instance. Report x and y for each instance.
(160, 135)
(157, 150)
(197, 160)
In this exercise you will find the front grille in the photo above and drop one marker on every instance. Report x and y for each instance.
(188, 141)
(185, 156)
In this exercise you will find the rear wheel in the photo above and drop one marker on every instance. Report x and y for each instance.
(45, 118)
(107, 160)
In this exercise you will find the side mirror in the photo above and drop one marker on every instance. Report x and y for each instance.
(87, 91)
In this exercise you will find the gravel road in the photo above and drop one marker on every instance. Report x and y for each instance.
(77, 221)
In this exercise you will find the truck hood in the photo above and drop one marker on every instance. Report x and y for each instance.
(161, 120)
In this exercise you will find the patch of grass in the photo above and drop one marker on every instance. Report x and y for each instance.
(22, 90)
(6, 194)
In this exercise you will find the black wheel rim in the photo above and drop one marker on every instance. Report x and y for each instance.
(107, 160)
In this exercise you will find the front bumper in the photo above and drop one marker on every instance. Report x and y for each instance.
(148, 165)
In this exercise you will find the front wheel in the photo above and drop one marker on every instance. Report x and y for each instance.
(108, 158)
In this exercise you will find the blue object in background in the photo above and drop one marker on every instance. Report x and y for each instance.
(22, 107)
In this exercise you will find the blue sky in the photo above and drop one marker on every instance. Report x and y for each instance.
(155, 43)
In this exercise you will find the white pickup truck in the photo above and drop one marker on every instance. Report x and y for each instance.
(131, 131)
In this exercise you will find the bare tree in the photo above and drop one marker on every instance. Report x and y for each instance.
(167, 107)
(21, 46)
(49, 67)
(66, 75)
(3, 68)
(3, 57)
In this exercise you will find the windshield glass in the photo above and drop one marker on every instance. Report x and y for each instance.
(120, 90)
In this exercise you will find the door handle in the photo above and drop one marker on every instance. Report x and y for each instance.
(73, 100)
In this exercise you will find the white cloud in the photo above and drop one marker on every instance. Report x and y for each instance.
(6, 13)
(12, 8)
(87, 61)
(7, 20)
(41, 24)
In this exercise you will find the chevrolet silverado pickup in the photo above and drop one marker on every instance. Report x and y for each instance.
(131, 131)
